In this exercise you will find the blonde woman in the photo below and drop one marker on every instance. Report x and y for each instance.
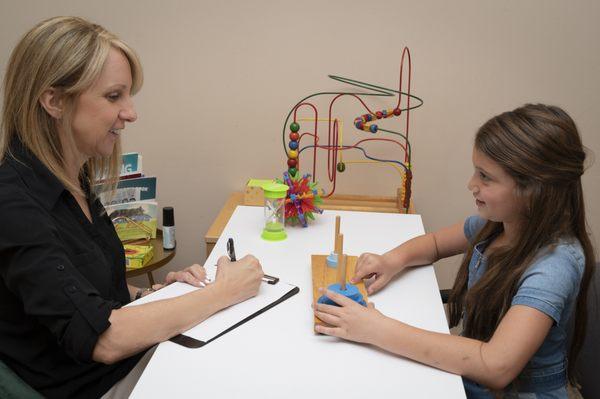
(67, 98)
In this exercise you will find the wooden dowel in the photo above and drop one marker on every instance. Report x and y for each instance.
(337, 233)
(339, 249)
(341, 274)
(342, 268)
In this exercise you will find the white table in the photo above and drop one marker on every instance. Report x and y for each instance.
(277, 355)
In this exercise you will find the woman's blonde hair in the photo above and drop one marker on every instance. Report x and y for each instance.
(66, 54)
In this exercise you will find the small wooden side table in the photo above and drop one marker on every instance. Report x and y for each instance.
(216, 228)
(161, 257)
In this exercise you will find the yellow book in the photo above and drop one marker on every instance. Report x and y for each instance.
(137, 256)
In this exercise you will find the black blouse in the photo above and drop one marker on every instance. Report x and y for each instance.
(60, 278)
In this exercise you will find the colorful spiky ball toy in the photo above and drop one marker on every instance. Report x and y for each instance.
(302, 198)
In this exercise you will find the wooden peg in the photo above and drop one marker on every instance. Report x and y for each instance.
(342, 272)
(337, 233)
(339, 248)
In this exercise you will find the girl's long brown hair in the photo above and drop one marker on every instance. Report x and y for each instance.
(540, 147)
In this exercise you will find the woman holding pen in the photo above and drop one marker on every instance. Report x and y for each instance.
(68, 92)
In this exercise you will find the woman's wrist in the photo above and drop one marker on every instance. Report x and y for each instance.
(218, 293)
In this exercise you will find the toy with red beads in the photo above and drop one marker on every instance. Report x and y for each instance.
(377, 123)
(363, 122)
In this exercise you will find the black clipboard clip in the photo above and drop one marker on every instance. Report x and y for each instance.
(270, 279)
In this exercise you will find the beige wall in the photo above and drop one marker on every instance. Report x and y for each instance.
(222, 75)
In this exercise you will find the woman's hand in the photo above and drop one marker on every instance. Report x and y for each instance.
(372, 265)
(350, 320)
(238, 280)
(194, 275)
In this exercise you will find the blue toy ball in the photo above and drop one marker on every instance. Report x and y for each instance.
(351, 292)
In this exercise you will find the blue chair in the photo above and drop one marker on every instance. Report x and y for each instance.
(589, 357)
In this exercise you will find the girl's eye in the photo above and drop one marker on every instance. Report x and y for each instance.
(483, 176)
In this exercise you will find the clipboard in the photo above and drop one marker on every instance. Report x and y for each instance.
(270, 295)
(189, 342)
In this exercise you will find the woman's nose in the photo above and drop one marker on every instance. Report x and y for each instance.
(128, 114)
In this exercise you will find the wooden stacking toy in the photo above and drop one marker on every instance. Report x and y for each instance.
(333, 271)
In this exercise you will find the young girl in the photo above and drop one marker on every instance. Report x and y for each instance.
(526, 271)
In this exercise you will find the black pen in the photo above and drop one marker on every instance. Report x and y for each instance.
(231, 250)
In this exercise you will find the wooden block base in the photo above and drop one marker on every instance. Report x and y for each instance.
(323, 276)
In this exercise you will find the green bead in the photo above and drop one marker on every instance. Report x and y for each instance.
(292, 171)
(294, 127)
(341, 167)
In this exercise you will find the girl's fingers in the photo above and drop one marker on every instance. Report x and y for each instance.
(333, 331)
(358, 277)
(330, 309)
(339, 299)
(328, 318)
(364, 269)
(378, 284)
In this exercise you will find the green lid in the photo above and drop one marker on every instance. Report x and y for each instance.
(275, 190)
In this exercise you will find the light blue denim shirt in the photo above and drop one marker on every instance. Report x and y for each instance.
(549, 285)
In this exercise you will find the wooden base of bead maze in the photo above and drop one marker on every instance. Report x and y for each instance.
(364, 203)
(253, 195)
(323, 276)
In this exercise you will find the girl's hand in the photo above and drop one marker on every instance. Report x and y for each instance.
(350, 320)
(194, 275)
(377, 266)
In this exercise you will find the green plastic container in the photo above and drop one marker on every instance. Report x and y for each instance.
(275, 194)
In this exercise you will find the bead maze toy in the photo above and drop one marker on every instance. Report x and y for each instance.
(333, 270)
(369, 123)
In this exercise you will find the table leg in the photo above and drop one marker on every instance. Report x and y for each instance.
(209, 248)
(151, 279)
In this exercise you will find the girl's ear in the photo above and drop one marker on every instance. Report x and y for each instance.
(527, 193)
(52, 102)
